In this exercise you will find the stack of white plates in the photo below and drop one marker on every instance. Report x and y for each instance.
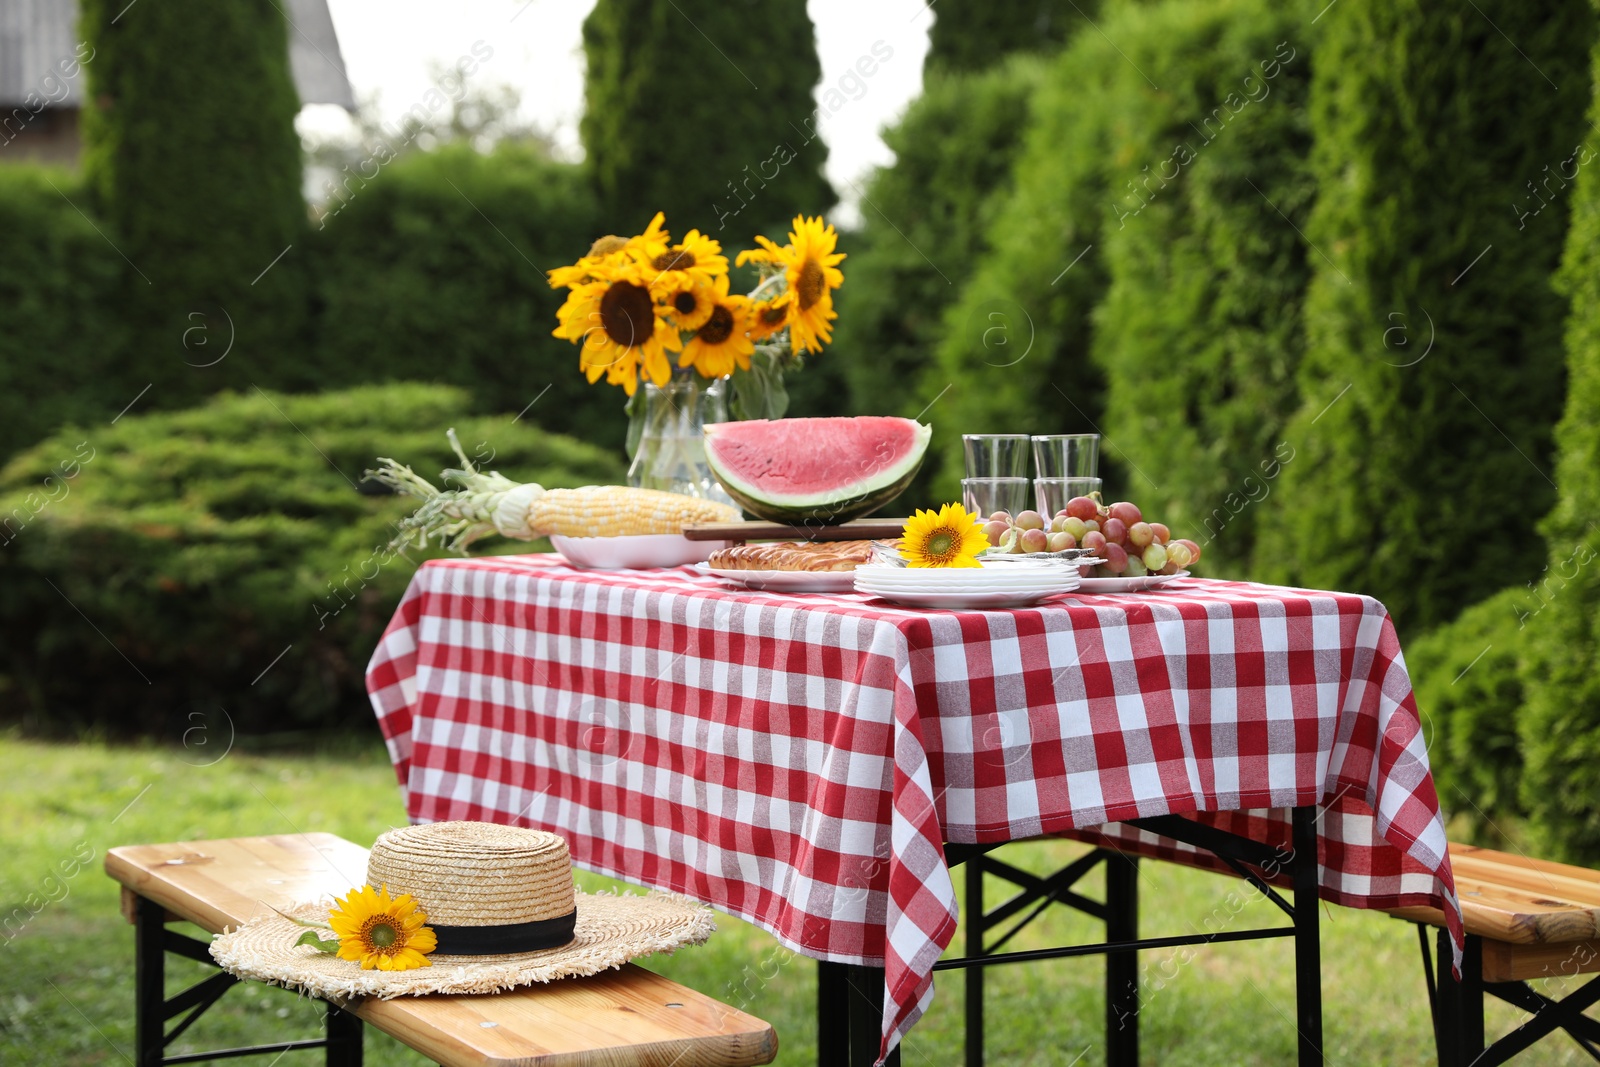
(1014, 584)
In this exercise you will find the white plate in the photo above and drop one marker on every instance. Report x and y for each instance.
(1008, 578)
(967, 601)
(785, 581)
(634, 552)
(1127, 585)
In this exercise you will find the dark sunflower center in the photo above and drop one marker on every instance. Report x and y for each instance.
(718, 328)
(771, 316)
(942, 544)
(684, 303)
(382, 935)
(809, 288)
(626, 314)
(677, 259)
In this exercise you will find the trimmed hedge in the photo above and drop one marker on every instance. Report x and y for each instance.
(1200, 334)
(1470, 695)
(62, 343)
(194, 170)
(710, 120)
(1428, 132)
(155, 569)
(1560, 725)
(971, 35)
(929, 213)
(434, 271)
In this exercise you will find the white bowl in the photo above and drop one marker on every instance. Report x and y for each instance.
(634, 552)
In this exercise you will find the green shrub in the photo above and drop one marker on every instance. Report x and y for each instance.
(1199, 334)
(434, 271)
(157, 568)
(62, 344)
(1561, 725)
(193, 165)
(1428, 134)
(928, 214)
(710, 119)
(970, 35)
(1470, 696)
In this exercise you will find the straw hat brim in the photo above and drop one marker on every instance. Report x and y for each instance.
(611, 930)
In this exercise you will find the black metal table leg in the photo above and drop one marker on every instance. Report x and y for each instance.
(1458, 1026)
(975, 931)
(866, 989)
(149, 982)
(1122, 968)
(344, 1038)
(1307, 946)
(833, 1014)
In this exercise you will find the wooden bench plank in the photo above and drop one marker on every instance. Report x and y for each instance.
(1517, 900)
(625, 1018)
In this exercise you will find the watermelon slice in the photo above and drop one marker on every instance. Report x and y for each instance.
(815, 471)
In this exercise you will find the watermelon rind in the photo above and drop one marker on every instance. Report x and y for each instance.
(864, 497)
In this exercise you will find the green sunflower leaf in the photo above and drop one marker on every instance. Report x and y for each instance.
(310, 937)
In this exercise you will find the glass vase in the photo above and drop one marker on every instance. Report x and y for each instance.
(667, 435)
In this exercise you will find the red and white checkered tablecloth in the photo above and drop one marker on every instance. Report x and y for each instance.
(799, 761)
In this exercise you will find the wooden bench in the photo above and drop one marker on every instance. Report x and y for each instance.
(616, 1019)
(1525, 919)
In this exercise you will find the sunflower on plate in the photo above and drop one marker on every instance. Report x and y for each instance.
(950, 537)
(723, 341)
(382, 932)
(811, 271)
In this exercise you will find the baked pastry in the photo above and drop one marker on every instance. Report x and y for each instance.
(792, 556)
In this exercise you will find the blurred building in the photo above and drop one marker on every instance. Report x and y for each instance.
(42, 73)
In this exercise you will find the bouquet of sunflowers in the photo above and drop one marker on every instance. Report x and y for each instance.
(636, 305)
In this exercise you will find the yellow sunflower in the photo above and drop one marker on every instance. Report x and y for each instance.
(622, 332)
(610, 252)
(767, 317)
(951, 537)
(695, 261)
(721, 343)
(382, 931)
(691, 306)
(811, 270)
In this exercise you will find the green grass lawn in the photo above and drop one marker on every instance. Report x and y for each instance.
(66, 982)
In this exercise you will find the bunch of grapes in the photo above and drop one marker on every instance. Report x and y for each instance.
(1117, 534)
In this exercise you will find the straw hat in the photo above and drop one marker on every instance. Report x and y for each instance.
(503, 909)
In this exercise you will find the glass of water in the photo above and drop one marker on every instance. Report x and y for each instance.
(1052, 494)
(1075, 455)
(996, 455)
(985, 496)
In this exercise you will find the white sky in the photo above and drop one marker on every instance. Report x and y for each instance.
(393, 48)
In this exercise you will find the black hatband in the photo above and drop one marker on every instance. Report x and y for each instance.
(503, 940)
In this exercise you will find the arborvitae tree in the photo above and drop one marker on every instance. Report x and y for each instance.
(970, 35)
(927, 214)
(1560, 724)
(193, 160)
(1433, 371)
(705, 111)
(1200, 333)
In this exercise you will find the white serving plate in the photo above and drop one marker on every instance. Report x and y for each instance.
(636, 552)
(966, 601)
(1127, 585)
(784, 581)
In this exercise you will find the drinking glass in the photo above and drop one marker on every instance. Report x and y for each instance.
(1074, 455)
(996, 455)
(985, 496)
(1052, 494)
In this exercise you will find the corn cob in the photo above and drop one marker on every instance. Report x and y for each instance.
(489, 503)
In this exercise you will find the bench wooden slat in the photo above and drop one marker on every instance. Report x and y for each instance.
(625, 1018)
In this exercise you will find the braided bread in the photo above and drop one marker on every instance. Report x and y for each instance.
(790, 556)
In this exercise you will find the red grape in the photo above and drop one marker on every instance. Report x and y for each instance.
(1194, 549)
(1035, 540)
(994, 529)
(1095, 542)
(1163, 535)
(1083, 507)
(1116, 530)
(1116, 559)
(1001, 516)
(1127, 512)
(1030, 520)
(1061, 542)
(1140, 535)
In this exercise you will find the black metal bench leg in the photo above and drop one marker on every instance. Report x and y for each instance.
(1307, 946)
(975, 932)
(344, 1038)
(1122, 968)
(866, 988)
(833, 1014)
(1458, 1028)
(149, 983)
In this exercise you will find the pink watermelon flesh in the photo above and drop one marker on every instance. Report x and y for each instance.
(798, 463)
